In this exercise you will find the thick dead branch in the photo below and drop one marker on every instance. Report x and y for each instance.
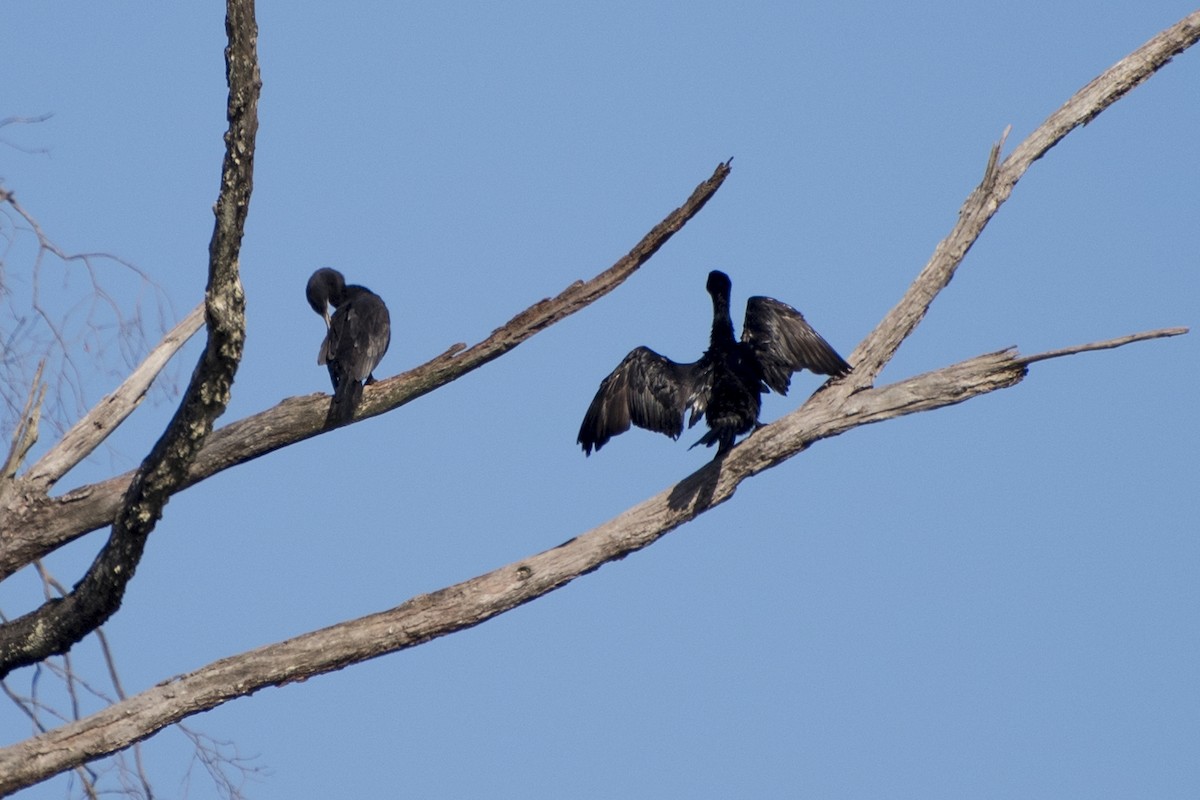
(58, 624)
(43, 524)
(477, 600)
(834, 409)
(391, 393)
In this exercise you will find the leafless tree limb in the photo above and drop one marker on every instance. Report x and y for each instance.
(464, 605)
(25, 433)
(55, 626)
(837, 407)
(87, 434)
(133, 778)
(997, 185)
(57, 328)
(39, 524)
(33, 708)
(1105, 345)
(228, 769)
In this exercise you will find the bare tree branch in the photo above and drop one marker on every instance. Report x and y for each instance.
(59, 326)
(997, 185)
(794, 432)
(87, 434)
(58, 624)
(24, 435)
(832, 410)
(464, 605)
(42, 524)
(227, 768)
(1105, 345)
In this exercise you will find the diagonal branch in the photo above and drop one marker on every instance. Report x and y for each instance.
(794, 432)
(87, 434)
(834, 409)
(451, 365)
(469, 603)
(60, 622)
(25, 433)
(47, 524)
(997, 185)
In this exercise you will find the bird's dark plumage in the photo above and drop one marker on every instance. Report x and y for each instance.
(356, 338)
(725, 386)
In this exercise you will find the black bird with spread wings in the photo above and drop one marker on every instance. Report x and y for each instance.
(725, 386)
(356, 337)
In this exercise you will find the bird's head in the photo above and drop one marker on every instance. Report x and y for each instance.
(719, 283)
(325, 287)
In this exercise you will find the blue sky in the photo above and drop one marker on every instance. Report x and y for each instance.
(996, 599)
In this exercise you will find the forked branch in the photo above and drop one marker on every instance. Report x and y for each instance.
(55, 626)
(477, 600)
(87, 434)
(834, 409)
(45, 524)
(997, 185)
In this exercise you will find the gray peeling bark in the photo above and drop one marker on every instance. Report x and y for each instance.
(54, 627)
(836, 408)
(35, 524)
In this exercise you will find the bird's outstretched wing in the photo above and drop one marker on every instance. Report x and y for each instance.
(647, 390)
(785, 343)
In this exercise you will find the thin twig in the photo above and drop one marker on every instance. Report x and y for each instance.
(1108, 344)
(6, 121)
(96, 311)
(25, 434)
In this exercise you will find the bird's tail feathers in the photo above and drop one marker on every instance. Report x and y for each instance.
(345, 399)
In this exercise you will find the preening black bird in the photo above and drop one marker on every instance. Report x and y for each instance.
(725, 386)
(356, 337)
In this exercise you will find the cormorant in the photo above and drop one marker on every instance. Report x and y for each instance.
(356, 337)
(725, 385)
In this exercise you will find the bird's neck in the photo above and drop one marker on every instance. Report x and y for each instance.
(722, 326)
